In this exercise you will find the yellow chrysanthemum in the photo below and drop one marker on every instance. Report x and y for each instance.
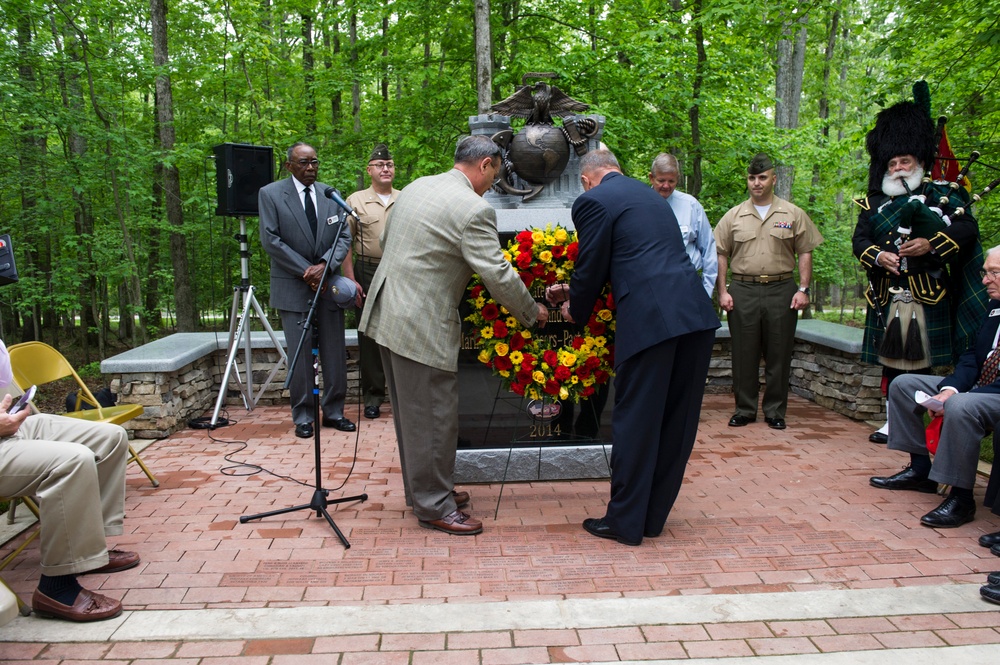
(504, 373)
(574, 379)
(550, 239)
(501, 349)
(532, 393)
(589, 381)
(516, 357)
(507, 257)
(600, 341)
(487, 332)
(480, 302)
(511, 322)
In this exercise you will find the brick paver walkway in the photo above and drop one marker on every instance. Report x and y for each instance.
(777, 531)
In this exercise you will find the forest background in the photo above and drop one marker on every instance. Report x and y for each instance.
(109, 111)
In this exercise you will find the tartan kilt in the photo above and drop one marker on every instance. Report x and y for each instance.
(938, 318)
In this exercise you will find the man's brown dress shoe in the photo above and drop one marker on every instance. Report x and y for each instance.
(461, 498)
(456, 523)
(89, 606)
(118, 560)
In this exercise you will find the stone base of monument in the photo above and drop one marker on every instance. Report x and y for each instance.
(493, 465)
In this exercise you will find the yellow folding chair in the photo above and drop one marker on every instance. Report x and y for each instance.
(22, 606)
(37, 363)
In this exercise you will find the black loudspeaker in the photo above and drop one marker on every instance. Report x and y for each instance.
(8, 270)
(240, 171)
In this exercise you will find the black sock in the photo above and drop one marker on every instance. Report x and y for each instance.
(921, 464)
(961, 493)
(60, 588)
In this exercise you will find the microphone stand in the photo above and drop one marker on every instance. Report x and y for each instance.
(320, 498)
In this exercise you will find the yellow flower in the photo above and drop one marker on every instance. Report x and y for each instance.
(511, 322)
(501, 349)
(549, 239)
(480, 302)
(574, 379)
(516, 357)
(487, 332)
(484, 356)
(604, 315)
(600, 341)
(589, 381)
(537, 237)
(532, 393)
(568, 359)
(504, 310)
(545, 256)
(560, 235)
(504, 373)
(507, 257)
(563, 394)
(538, 376)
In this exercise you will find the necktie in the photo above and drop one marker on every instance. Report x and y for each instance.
(310, 212)
(990, 369)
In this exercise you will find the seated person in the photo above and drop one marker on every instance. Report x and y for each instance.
(76, 469)
(970, 403)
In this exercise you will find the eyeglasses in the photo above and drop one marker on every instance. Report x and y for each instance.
(991, 274)
(382, 166)
(307, 162)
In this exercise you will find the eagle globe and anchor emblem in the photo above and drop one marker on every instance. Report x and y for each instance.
(539, 152)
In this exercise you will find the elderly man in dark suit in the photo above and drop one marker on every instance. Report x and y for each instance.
(663, 341)
(298, 230)
(969, 400)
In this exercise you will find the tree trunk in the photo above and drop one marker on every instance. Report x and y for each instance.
(183, 295)
(694, 179)
(484, 57)
(308, 74)
(824, 100)
(788, 93)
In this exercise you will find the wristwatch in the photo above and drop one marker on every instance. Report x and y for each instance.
(804, 289)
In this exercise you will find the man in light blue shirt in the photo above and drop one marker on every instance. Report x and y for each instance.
(694, 225)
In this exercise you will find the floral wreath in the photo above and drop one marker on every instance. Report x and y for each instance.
(529, 364)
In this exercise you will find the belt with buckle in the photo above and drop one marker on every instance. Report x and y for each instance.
(762, 279)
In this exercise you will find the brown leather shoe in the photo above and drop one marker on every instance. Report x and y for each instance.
(118, 560)
(456, 523)
(461, 498)
(89, 606)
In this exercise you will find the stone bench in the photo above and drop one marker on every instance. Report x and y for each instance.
(177, 378)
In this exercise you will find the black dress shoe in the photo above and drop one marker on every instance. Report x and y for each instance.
(775, 423)
(597, 527)
(740, 420)
(990, 592)
(951, 513)
(995, 550)
(372, 412)
(906, 479)
(989, 539)
(993, 578)
(343, 424)
(878, 437)
(651, 534)
(304, 431)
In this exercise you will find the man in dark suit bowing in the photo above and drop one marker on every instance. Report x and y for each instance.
(298, 230)
(969, 400)
(663, 341)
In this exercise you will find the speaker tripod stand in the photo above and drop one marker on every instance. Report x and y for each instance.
(239, 336)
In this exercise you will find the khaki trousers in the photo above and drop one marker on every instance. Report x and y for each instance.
(76, 469)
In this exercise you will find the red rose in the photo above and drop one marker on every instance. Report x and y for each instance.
(583, 371)
(601, 376)
(558, 251)
(499, 329)
(518, 388)
(611, 302)
(550, 277)
(523, 260)
(550, 357)
(592, 363)
(517, 342)
(490, 311)
(524, 376)
(587, 391)
(528, 362)
(538, 270)
(502, 363)
(524, 236)
(597, 327)
(551, 387)
(562, 373)
(476, 290)
(572, 250)
(527, 278)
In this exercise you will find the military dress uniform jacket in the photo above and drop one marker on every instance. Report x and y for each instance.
(438, 234)
(768, 246)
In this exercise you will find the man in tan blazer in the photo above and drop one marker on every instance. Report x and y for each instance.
(439, 232)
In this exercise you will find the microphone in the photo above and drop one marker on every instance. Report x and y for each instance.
(332, 193)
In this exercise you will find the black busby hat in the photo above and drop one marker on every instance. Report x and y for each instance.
(381, 151)
(905, 128)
